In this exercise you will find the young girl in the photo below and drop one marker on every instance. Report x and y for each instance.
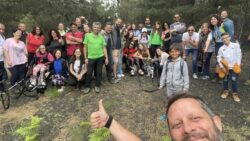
(155, 39)
(166, 37)
(59, 71)
(141, 54)
(42, 59)
(129, 55)
(77, 70)
(144, 38)
(175, 73)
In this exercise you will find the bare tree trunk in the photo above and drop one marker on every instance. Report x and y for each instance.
(244, 6)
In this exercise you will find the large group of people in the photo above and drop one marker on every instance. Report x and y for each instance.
(77, 55)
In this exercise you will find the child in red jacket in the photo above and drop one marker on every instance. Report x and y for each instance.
(129, 53)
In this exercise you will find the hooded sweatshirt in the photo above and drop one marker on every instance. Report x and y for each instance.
(172, 76)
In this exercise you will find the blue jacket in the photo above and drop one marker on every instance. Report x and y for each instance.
(229, 27)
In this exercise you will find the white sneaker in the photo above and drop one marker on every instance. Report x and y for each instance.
(195, 76)
(132, 72)
(43, 83)
(122, 75)
(61, 89)
(32, 84)
(119, 75)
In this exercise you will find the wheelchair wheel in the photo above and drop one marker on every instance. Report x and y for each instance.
(29, 91)
(5, 98)
(16, 90)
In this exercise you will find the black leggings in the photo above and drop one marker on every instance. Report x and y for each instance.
(153, 50)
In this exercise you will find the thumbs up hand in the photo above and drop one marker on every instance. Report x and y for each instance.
(99, 118)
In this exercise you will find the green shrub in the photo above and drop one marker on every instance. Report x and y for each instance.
(30, 131)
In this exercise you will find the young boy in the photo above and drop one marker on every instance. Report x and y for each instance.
(175, 73)
(231, 53)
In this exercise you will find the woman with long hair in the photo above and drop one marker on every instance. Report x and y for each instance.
(33, 41)
(205, 57)
(215, 35)
(155, 39)
(166, 37)
(56, 42)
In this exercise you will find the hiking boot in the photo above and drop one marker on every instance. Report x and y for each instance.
(236, 97)
(97, 89)
(224, 94)
(195, 76)
(247, 83)
(86, 90)
(113, 80)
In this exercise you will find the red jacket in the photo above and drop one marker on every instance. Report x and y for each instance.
(129, 52)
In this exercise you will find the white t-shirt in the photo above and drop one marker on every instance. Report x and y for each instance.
(144, 40)
(77, 66)
(195, 37)
(164, 58)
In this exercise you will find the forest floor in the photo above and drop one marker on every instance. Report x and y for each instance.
(135, 109)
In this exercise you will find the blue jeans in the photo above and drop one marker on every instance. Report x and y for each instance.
(94, 65)
(18, 72)
(194, 53)
(206, 69)
(120, 62)
(234, 78)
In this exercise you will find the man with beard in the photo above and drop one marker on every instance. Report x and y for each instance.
(227, 24)
(116, 45)
(177, 29)
(189, 118)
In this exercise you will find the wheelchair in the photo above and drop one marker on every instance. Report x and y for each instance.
(24, 87)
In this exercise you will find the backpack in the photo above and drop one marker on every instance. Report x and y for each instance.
(181, 65)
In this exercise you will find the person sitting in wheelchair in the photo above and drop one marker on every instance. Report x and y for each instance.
(42, 60)
(142, 55)
(59, 70)
(129, 53)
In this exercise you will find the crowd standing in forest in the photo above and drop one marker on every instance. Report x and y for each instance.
(121, 43)
(77, 55)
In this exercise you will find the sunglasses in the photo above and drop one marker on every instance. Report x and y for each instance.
(191, 30)
(144, 32)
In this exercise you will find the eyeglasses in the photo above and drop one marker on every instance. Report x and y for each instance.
(144, 32)
(190, 30)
